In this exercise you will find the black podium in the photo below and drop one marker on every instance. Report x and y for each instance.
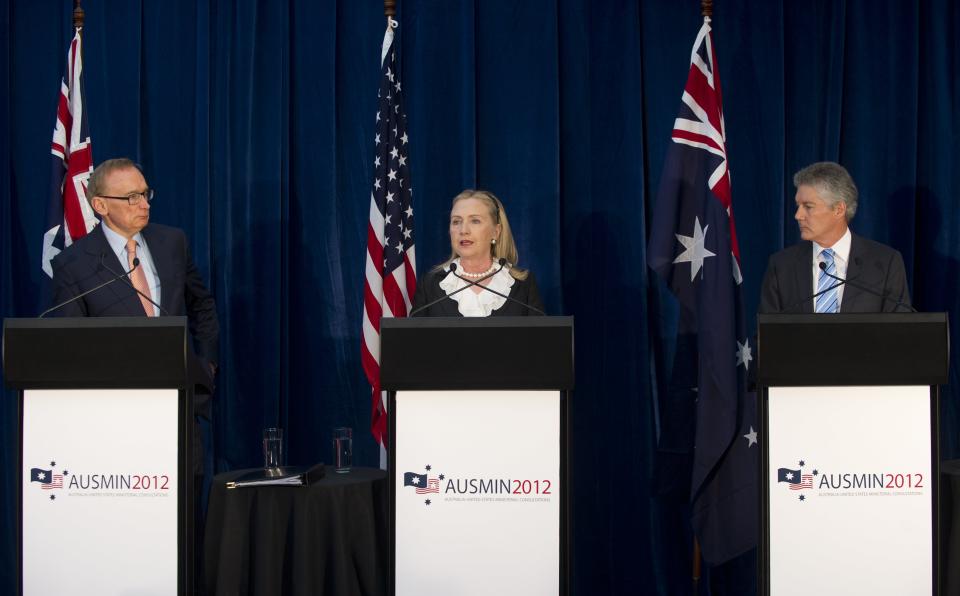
(848, 407)
(104, 482)
(477, 466)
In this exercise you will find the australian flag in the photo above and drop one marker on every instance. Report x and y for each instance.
(40, 475)
(69, 215)
(788, 475)
(693, 248)
(415, 480)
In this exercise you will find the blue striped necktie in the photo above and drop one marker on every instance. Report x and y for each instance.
(829, 301)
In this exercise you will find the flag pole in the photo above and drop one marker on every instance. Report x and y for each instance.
(706, 10)
(390, 8)
(78, 15)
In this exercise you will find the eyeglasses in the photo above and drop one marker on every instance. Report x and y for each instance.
(134, 198)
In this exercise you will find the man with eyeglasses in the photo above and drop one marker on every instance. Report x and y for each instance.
(164, 279)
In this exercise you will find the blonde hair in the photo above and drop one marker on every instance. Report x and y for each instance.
(505, 247)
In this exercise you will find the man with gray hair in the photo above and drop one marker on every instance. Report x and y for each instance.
(826, 202)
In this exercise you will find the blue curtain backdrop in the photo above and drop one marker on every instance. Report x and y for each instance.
(255, 123)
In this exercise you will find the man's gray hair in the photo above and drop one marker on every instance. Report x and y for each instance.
(95, 183)
(832, 181)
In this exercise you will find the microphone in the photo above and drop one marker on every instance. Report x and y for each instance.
(136, 263)
(453, 269)
(91, 290)
(810, 297)
(884, 296)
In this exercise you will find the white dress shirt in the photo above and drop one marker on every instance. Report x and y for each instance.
(841, 257)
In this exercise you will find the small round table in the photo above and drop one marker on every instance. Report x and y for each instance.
(326, 538)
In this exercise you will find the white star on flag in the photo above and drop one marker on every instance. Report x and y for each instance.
(789, 475)
(695, 252)
(751, 437)
(744, 354)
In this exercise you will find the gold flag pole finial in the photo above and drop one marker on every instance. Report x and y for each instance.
(390, 8)
(706, 8)
(77, 15)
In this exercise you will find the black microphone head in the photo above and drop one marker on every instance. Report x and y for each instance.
(453, 267)
(823, 266)
(502, 262)
(136, 262)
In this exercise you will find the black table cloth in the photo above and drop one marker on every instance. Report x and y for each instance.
(329, 538)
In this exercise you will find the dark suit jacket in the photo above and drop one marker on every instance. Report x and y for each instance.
(789, 279)
(182, 292)
(428, 290)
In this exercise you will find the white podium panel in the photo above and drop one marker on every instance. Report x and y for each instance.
(850, 490)
(477, 493)
(99, 492)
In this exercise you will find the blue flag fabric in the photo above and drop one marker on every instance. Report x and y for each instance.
(788, 475)
(40, 475)
(693, 248)
(415, 480)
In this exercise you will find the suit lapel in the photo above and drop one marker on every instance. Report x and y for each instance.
(159, 252)
(803, 277)
(850, 292)
(122, 292)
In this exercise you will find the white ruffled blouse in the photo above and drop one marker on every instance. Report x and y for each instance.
(472, 304)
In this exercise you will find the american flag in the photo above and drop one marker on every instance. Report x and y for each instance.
(433, 486)
(69, 215)
(693, 247)
(55, 482)
(391, 277)
(806, 481)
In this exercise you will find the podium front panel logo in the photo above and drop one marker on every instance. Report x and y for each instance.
(794, 479)
(434, 488)
(50, 481)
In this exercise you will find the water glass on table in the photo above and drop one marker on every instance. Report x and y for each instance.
(342, 449)
(272, 448)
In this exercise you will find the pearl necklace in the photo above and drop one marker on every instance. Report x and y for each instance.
(493, 267)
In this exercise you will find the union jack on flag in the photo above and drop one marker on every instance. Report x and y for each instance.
(391, 277)
(693, 247)
(69, 215)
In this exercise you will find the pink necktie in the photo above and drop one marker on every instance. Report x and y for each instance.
(138, 277)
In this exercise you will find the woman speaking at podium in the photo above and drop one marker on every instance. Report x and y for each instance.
(480, 279)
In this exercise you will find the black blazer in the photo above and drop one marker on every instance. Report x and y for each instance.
(428, 290)
(789, 279)
(182, 292)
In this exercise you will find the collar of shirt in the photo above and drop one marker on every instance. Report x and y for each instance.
(841, 257)
(119, 246)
